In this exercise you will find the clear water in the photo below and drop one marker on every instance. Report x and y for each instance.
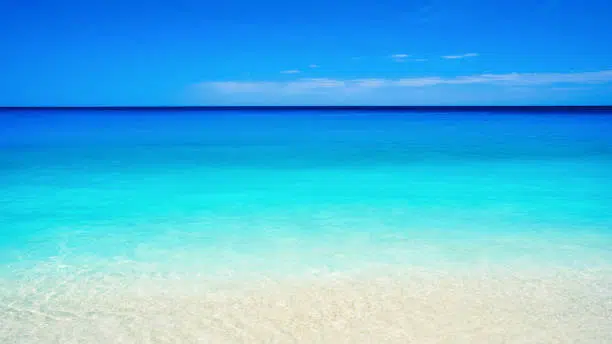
(248, 193)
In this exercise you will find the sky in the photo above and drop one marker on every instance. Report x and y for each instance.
(315, 52)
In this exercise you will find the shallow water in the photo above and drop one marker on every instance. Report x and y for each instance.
(110, 220)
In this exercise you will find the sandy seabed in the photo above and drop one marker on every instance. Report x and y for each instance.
(379, 306)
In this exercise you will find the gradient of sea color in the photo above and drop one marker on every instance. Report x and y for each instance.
(340, 217)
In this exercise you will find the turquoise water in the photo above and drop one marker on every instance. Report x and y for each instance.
(289, 192)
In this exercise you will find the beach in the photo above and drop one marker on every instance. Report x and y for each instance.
(309, 227)
(553, 306)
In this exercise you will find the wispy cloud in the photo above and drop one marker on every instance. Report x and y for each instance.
(313, 66)
(291, 71)
(399, 57)
(453, 57)
(353, 85)
(419, 60)
(368, 83)
(296, 86)
(240, 86)
(570, 88)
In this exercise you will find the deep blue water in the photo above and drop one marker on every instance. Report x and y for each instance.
(284, 191)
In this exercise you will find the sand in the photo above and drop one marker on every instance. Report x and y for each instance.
(378, 306)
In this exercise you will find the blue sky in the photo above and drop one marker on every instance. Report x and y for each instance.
(269, 52)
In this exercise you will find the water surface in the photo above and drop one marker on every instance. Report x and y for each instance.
(285, 195)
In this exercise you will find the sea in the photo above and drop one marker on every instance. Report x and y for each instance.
(365, 225)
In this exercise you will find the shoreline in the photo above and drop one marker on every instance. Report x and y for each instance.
(394, 306)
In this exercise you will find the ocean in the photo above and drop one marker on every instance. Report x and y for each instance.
(309, 226)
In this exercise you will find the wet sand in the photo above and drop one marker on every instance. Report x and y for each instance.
(383, 306)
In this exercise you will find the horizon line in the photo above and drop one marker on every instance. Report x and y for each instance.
(319, 107)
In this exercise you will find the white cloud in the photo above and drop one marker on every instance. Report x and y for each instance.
(419, 60)
(453, 57)
(291, 71)
(241, 86)
(352, 85)
(399, 57)
(313, 66)
(419, 82)
(369, 83)
(570, 88)
(305, 85)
